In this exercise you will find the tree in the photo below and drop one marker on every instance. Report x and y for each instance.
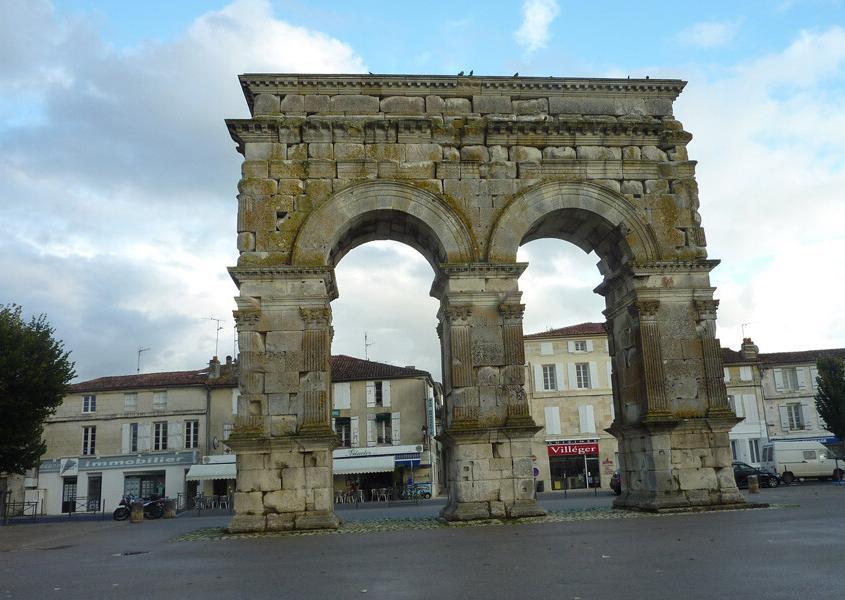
(35, 373)
(830, 397)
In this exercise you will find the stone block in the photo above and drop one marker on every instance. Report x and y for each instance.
(610, 184)
(502, 170)
(498, 153)
(558, 152)
(255, 169)
(697, 479)
(403, 105)
(524, 489)
(316, 132)
(292, 187)
(251, 461)
(656, 186)
(415, 170)
(475, 153)
(283, 341)
(316, 104)
(632, 187)
(319, 477)
(653, 153)
(317, 519)
(289, 134)
(284, 501)
(266, 104)
(423, 152)
(434, 104)
(354, 104)
(383, 151)
(287, 169)
(321, 150)
(293, 478)
(292, 103)
(323, 499)
(246, 241)
(598, 153)
(247, 524)
(631, 153)
(280, 521)
(319, 168)
(258, 187)
(264, 151)
(491, 104)
(525, 154)
(678, 153)
(345, 151)
(535, 106)
(457, 106)
(297, 152)
(249, 503)
(275, 383)
(451, 153)
(497, 509)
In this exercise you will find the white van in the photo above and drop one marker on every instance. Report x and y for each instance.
(794, 459)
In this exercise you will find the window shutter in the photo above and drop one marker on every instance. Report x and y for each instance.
(589, 345)
(739, 407)
(371, 393)
(814, 373)
(779, 381)
(612, 409)
(334, 425)
(174, 435)
(371, 430)
(609, 374)
(745, 373)
(385, 394)
(586, 418)
(144, 437)
(342, 395)
(751, 412)
(336, 400)
(802, 378)
(784, 418)
(807, 414)
(394, 427)
(354, 431)
(607, 346)
(559, 376)
(573, 378)
(124, 438)
(727, 373)
(570, 345)
(236, 394)
(538, 378)
(552, 414)
(594, 375)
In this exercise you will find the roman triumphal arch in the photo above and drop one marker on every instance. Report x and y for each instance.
(465, 169)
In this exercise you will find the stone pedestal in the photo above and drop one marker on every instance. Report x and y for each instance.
(489, 473)
(283, 483)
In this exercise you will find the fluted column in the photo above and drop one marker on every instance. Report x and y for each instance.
(316, 348)
(645, 312)
(714, 374)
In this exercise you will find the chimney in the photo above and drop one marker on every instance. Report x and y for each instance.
(749, 349)
(412, 367)
(213, 368)
(229, 361)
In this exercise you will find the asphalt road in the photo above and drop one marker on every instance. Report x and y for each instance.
(790, 552)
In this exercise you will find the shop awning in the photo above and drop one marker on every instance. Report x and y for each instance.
(212, 471)
(363, 464)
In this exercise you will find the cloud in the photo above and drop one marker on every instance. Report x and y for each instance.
(537, 16)
(708, 34)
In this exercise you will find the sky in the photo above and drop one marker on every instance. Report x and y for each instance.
(118, 177)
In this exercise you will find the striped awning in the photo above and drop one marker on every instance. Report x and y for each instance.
(363, 464)
(212, 471)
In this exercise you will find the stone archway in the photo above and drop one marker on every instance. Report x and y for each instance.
(465, 170)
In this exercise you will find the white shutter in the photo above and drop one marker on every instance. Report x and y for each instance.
(586, 419)
(371, 393)
(739, 407)
(727, 373)
(612, 409)
(807, 413)
(342, 395)
(552, 414)
(538, 378)
(745, 374)
(385, 394)
(607, 346)
(174, 435)
(371, 430)
(394, 427)
(573, 379)
(236, 393)
(354, 431)
(784, 418)
(589, 345)
(559, 376)
(570, 346)
(124, 438)
(779, 379)
(751, 412)
(609, 375)
(802, 378)
(814, 373)
(594, 375)
(144, 438)
(334, 424)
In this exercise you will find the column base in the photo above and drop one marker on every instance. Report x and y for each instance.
(475, 511)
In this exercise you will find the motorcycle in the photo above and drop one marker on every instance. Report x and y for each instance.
(153, 509)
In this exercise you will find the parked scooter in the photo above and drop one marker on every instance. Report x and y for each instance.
(153, 509)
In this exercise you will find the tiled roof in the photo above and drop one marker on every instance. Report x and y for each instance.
(580, 329)
(144, 380)
(349, 368)
(770, 358)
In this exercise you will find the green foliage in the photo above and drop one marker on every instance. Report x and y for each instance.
(830, 397)
(35, 372)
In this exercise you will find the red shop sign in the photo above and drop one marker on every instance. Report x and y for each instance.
(572, 449)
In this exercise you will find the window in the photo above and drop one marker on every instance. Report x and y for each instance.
(89, 441)
(192, 434)
(227, 430)
(809, 455)
(793, 412)
(580, 345)
(582, 375)
(160, 435)
(754, 450)
(790, 379)
(733, 449)
(379, 394)
(133, 437)
(89, 404)
(159, 400)
(384, 429)
(343, 427)
(745, 374)
(130, 402)
(549, 378)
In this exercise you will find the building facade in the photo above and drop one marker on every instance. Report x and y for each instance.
(569, 382)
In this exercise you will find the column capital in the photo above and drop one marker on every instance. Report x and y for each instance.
(316, 316)
(458, 314)
(511, 310)
(706, 309)
(645, 310)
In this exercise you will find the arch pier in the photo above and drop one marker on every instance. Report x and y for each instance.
(465, 170)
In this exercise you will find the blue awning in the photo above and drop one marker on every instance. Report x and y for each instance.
(410, 459)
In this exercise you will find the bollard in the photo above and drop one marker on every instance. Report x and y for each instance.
(169, 508)
(753, 484)
(137, 514)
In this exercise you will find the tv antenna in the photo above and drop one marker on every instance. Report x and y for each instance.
(743, 326)
(140, 350)
(367, 345)
(216, 333)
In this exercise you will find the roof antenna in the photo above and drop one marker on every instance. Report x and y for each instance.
(140, 349)
(744, 325)
(367, 345)
(217, 334)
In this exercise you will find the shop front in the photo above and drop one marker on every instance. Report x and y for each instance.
(377, 468)
(98, 483)
(574, 465)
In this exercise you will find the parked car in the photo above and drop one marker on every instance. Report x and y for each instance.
(616, 483)
(742, 471)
